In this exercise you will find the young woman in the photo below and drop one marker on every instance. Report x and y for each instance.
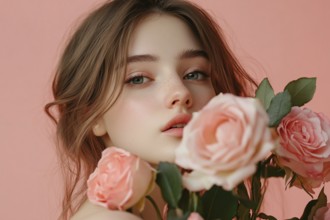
(130, 69)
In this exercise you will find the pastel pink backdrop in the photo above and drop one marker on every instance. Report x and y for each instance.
(278, 39)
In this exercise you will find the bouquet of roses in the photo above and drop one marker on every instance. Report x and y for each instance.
(228, 151)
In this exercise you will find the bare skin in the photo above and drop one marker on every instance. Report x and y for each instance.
(173, 81)
(89, 211)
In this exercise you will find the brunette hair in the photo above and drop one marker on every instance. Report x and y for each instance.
(90, 75)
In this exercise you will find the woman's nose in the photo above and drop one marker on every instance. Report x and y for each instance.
(178, 95)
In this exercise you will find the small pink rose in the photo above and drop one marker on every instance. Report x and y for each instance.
(119, 181)
(322, 213)
(305, 145)
(194, 216)
(223, 142)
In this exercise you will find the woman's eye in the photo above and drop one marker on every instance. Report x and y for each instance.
(195, 75)
(137, 80)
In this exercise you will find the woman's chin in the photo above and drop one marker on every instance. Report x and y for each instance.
(158, 157)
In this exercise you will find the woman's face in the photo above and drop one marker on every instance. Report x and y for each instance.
(167, 79)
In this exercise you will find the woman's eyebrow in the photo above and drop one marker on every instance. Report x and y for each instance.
(142, 58)
(193, 53)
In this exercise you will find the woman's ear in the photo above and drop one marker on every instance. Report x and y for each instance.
(99, 128)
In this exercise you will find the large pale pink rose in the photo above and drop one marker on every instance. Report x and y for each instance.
(305, 145)
(120, 180)
(223, 142)
(322, 213)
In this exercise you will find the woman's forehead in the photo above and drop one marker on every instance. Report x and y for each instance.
(159, 33)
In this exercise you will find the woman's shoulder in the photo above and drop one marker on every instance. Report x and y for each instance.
(89, 211)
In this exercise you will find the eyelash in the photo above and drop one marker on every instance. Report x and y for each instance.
(130, 80)
(201, 73)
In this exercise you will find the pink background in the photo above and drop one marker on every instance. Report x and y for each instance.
(280, 39)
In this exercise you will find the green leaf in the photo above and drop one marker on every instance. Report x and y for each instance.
(256, 190)
(176, 214)
(243, 197)
(265, 93)
(243, 211)
(242, 191)
(169, 180)
(300, 181)
(279, 107)
(272, 171)
(190, 202)
(320, 202)
(313, 205)
(301, 90)
(195, 201)
(219, 204)
(256, 185)
(268, 217)
(248, 203)
(184, 201)
(308, 210)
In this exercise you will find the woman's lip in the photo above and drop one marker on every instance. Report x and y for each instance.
(175, 132)
(177, 120)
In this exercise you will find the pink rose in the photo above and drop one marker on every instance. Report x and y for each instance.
(305, 145)
(223, 142)
(194, 216)
(322, 213)
(119, 181)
